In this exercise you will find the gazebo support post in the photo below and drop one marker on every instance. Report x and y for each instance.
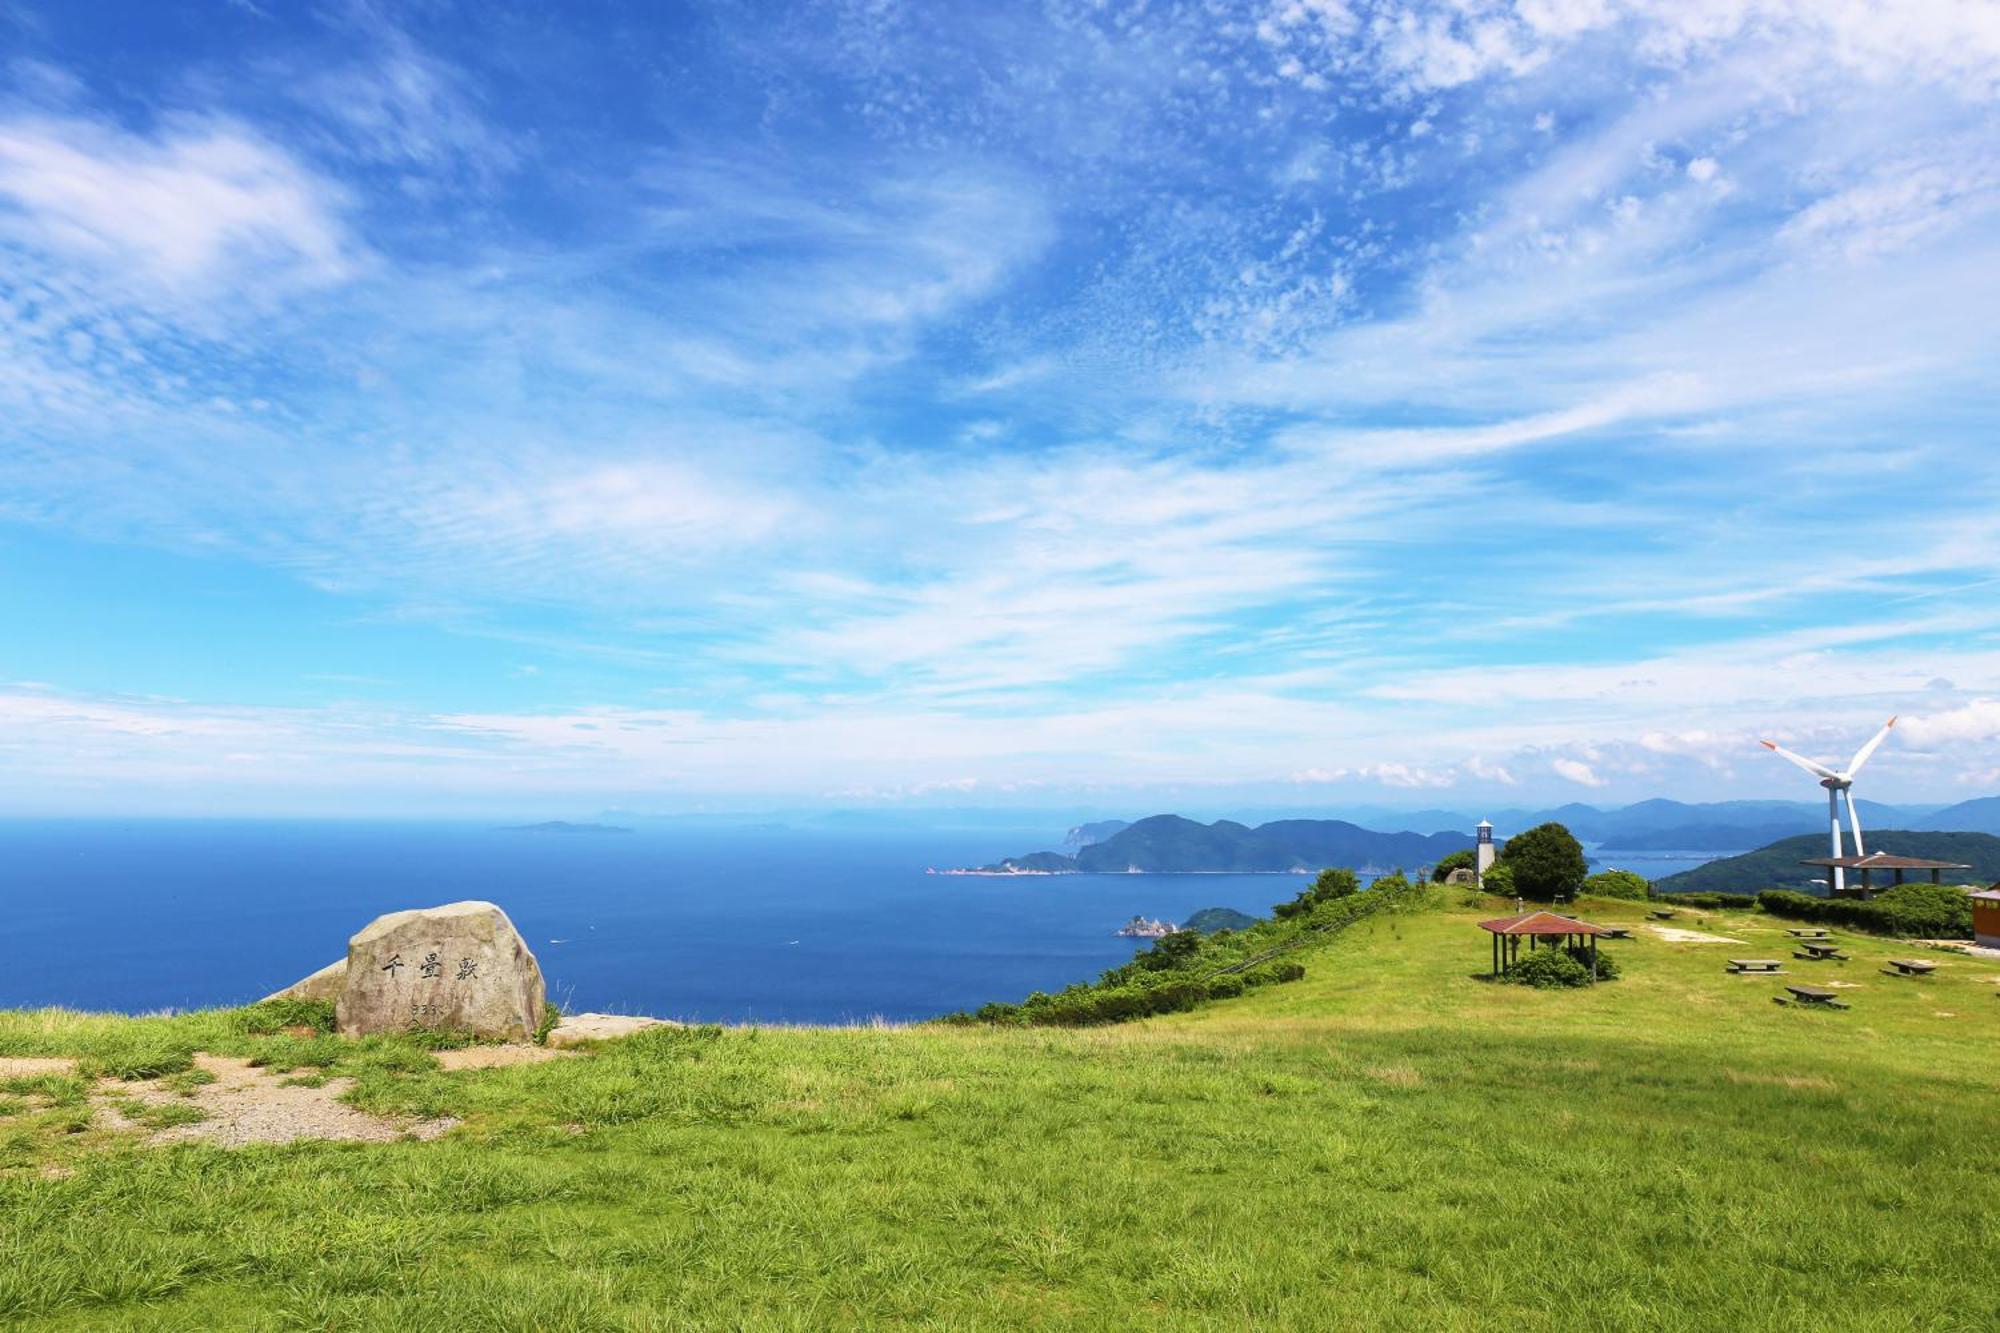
(1593, 957)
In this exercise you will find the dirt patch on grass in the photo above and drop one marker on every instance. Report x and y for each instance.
(1675, 935)
(34, 1066)
(1797, 1082)
(1397, 1076)
(245, 1104)
(498, 1057)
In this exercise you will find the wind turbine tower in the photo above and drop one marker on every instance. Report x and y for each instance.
(1839, 786)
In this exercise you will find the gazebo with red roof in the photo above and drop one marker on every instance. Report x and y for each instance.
(1509, 931)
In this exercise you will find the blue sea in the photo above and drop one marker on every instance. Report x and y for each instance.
(740, 926)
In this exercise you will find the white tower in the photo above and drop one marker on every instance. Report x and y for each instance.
(1483, 857)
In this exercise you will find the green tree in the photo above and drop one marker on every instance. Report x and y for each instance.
(1171, 951)
(1451, 861)
(1335, 882)
(1499, 880)
(1547, 861)
(1616, 884)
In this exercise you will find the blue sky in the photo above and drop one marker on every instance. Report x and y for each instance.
(511, 407)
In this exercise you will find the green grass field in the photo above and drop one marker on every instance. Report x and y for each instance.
(1391, 1143)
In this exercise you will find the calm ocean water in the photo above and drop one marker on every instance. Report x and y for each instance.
(734, 927)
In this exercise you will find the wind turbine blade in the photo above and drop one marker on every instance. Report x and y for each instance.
(1861, 755)
(1854, 822)
(1817, 770)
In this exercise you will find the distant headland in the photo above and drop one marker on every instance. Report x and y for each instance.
(1169, 844)
(563, 826)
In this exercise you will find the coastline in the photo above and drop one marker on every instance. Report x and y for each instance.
(1013, 874)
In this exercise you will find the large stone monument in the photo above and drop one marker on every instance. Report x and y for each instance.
(461, 967)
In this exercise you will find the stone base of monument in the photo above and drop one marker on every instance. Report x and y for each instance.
(461, 967)
(324, 984)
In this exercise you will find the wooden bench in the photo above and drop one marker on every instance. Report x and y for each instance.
(1822, 952)
(1909, 967)
(1812, 997)
(1743, 965)
(1663, 914)
(1807, 934)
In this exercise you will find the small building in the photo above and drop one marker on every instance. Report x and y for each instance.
(1986, 917)
(1881, 861)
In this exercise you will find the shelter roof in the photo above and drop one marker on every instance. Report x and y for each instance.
(1540, 923)
(1883, 861)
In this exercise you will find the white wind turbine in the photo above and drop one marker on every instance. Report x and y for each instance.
(1839, 786)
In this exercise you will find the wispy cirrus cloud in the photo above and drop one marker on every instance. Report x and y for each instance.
(1411, 396)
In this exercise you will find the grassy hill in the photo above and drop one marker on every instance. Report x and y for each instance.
(1390, 1143)
(1777, 866)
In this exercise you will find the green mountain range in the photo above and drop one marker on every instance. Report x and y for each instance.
(1777, 866)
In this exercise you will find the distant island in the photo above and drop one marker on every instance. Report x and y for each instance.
(1211, 919)
(1169, 844)
(1777, 866)
(564, 826)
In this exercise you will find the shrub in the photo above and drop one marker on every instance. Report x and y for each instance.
(1332, 885)
(1617, 884)
(1396, 883)
(1742, 902)
(270, 1016)
(1171, 952)
(1499, 880)
(1547, 861)
(1547, 969)
(1607, 966)
(1450, 861)
(1930, 911)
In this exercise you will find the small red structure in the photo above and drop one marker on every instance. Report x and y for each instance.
(1986, 917)
(1509, 931)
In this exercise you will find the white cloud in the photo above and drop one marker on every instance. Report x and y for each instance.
(1575, 770)
(205, 206)
(1974, 722)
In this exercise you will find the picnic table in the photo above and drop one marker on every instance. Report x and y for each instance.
(1617, 933)
(1663, 914)
(1812, 995)
(1742, 965)
(1822, 950)
(1910, 967)
(1807, 934)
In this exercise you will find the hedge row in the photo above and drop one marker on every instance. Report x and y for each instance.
(1186, 970)
(1087, 1004)
(1926, 911)
(1740, 902)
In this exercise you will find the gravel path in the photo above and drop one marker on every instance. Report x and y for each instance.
(247, 1105)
